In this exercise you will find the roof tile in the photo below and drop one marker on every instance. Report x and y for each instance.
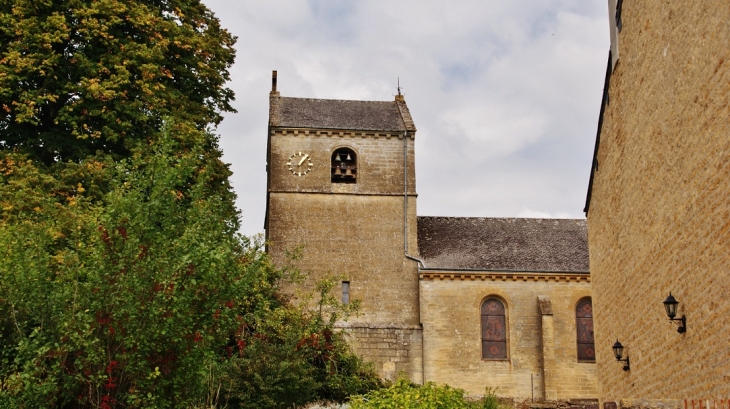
(338, 114)
(482, 243)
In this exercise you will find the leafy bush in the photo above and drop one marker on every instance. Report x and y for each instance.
(125, 284)
(490, 400)
(298, 357)
(406, 395)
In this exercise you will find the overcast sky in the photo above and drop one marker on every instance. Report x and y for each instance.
(505, 93)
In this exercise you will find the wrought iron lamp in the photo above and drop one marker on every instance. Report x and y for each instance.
(670, 305)
(618, 352)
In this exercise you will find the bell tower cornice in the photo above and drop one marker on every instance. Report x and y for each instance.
(340, 133)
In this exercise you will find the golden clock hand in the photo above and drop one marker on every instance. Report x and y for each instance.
(303, 159)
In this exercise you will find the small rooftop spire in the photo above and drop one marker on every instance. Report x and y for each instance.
(399, 97)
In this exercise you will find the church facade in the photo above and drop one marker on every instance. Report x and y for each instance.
(471, 302)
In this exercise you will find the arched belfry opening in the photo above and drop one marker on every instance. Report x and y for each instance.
(344, 166)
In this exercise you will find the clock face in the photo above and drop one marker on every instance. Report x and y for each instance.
(299, 164)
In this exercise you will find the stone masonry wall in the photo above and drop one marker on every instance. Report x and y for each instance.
(450, 311)
(393, 351)
(354, 231)
(659, 217)
(358, 238)
(379, 161)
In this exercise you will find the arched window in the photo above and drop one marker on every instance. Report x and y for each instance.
(494, 330)
(584, 328)
(344, 166)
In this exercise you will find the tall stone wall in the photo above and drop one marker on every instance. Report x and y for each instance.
(542, 353)
(659, 216)
(357, 238)
(354, 231)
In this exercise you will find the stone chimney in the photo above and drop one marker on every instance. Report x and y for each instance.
(273, 102)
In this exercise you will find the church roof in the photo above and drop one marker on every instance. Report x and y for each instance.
(340, 114)
(506, 244)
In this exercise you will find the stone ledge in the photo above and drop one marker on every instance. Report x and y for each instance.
(340, 133)
(348, 325)
(427, 274)
(650, 403)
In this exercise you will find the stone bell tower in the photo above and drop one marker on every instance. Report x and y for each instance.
(341, 183)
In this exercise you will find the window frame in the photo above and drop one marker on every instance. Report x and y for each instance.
(578, 327)
(505, 323)
(345, 292)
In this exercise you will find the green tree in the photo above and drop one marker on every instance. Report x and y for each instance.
(123, 284)
(123, 280)
(81, 76)
(124, 301)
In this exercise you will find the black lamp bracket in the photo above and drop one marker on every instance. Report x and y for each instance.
(626, 363)
(682, 324)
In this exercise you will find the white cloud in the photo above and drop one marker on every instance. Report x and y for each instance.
(544, 215)
(505, 94)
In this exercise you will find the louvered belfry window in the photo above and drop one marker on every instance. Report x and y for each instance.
(494, 330)
(584, 327)
(344, 166)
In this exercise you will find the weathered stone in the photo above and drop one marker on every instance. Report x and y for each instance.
(659, 214)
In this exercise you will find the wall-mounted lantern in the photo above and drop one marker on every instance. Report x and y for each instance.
(670, 305)
(618, 352)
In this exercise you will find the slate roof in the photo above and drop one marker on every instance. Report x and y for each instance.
(483, 243)
(339, 114)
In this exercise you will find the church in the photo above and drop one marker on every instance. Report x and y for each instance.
(473, 302)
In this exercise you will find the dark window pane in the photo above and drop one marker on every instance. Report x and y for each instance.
(494, 330)
(345, 292)
(493, 307)
(494, 350)
(584, 330)
(584, 309)
(586, 352)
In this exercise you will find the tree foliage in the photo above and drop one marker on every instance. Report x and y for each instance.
(123, 280)
(81, 76)
(299, 357)
(118, 301)
(125, 284)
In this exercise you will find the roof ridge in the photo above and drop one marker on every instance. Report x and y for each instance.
(338, 100)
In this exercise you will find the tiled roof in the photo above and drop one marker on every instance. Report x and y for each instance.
(338, 114)
(482, 243)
